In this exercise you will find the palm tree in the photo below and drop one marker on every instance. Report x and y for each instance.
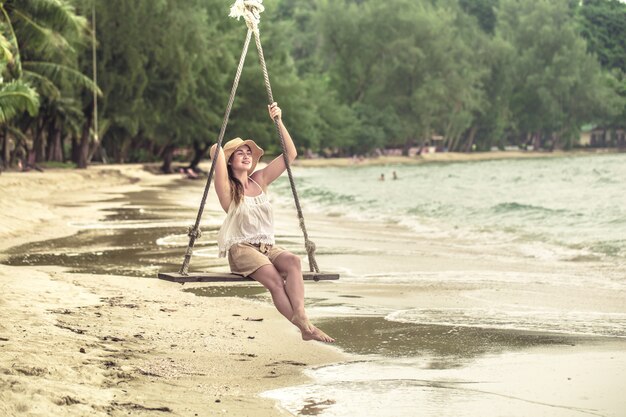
(40, 49)
(15, 96)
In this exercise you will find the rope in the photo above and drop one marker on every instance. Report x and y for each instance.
(250, 10)
(308, 244)
(194, 231)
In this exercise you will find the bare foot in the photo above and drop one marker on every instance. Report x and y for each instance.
(303, 323)
(318, 335)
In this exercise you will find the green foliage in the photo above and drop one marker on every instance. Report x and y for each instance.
(408, 70)
(603, 25)
(15, 98)
(350, 75)
(556, 85)
(43, 38)
(163, 67)
(484, 11)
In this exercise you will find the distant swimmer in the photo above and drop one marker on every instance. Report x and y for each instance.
(395, 176)
(382, 177)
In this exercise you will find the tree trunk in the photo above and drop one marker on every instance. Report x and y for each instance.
(123, 151)
(556, 141)
(408, 143)
(75, 148)
(199, 152)
(53, 143)
(61, 149)
(93, 149)
(537, 141)
(456, 142)
(49, 148)
(83, 147)
(56, 148)
(4, 140)
(39, 143)
(470, 139)
(168, 156)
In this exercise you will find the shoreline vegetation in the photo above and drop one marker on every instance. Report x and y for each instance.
(78, 88)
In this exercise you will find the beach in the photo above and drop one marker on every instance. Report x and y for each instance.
(88, 344)
(427, 322)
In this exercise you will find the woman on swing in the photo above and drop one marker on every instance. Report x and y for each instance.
(247, 234)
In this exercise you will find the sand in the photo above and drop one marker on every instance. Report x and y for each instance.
(85, 344)
(442, 157)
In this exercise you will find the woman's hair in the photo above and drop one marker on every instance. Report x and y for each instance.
(236, 187)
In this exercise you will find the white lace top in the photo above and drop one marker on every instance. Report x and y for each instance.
(251, 221)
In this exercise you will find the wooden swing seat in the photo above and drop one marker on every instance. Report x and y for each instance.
(227, 277)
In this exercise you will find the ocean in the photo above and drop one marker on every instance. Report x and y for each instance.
(560, 208)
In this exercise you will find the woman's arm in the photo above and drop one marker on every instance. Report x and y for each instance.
(221, 183)
(275, 168)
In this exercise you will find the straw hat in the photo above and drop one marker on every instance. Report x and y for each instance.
(234, 144)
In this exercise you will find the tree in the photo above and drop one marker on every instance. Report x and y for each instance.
(409, 70)
(557, 85)
(603, 25)
(44, 37)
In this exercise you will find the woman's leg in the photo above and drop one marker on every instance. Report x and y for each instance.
(269, 277)
(289, 265)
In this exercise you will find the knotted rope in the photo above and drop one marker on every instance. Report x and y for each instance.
(250, 10)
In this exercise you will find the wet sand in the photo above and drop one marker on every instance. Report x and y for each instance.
(155, 347)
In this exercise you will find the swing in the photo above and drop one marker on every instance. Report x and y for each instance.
(250, 10)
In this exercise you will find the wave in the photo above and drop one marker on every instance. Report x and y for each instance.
(509, 207)
(551, 321)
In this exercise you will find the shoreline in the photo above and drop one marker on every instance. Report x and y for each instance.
(79, 343)
(447, 157)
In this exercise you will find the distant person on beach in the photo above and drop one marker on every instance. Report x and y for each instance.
(189, 173)
(382, 177)
(395, 176)
(247, 234)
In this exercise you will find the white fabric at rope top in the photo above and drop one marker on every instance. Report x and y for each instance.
(250, 10)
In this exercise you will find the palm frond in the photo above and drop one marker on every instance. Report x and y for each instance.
(17, 97)
(17, 134)
(40, 38)
(5, 49)
(42, 84)
(46, 25)
(57, 15)
(56, 72)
